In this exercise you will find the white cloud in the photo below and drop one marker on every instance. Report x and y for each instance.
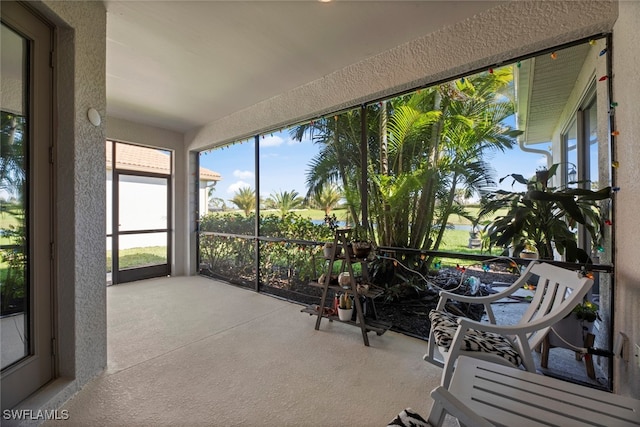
(271, 141)
(243, 174)
(233, 188)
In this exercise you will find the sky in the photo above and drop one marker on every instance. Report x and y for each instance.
(283, 165)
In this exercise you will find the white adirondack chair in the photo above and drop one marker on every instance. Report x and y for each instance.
(558, 291)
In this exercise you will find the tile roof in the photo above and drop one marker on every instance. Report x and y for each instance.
(135, 157)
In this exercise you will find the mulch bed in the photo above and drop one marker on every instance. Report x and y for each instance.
(408, 313)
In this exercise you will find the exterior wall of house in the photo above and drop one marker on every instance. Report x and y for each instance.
(126, 131)
(595, 65)
(626, 150)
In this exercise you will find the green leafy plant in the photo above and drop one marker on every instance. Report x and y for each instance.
(587, 311)
(544, 217)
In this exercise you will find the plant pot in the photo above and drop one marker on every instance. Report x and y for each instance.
(328, 248)
(345, 314)
(572, 330)
(344, 280)
(528, 255)
(361, 249)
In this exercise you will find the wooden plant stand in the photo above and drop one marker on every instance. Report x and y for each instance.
(341, 240)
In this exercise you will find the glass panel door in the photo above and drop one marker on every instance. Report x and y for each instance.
(141, 195)
(13, 204)
(25, 205)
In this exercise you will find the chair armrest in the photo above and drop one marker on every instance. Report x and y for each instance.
(487, 299)
(444, 401)
(534, 325)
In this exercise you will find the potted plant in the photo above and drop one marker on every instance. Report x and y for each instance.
(574, 328)
(544, 217)
(345, 308)
(361, 246)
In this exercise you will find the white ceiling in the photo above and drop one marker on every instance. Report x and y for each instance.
(181, 64)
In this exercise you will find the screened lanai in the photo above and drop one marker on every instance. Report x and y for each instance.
(374, 168)
(154, 74)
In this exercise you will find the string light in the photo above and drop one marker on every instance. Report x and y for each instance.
(592, 42)
(519, 64)
(602, 52)
(554, 55)
(615, 133)
(490, 70)
(603, 78)
(613, 104)
(607, 222)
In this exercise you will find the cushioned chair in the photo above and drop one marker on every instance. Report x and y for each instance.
(558, 291)
(443, 403)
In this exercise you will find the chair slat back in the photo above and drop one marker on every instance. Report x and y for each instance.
(558, 291)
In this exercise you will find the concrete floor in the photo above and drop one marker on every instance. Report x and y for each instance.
(12, 339)
(198, 352)
(194, 351)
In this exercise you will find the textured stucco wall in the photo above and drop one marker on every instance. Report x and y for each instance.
(504, 32)
(126, 131)
(626, 87)
(79, 205)
(81, 184)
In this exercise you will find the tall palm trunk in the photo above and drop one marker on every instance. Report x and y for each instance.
(426, 205)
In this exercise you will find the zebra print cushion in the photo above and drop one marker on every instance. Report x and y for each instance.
(408, 418)
(444, 327)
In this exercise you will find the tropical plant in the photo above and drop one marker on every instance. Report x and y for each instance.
(544, 217)
(327, 198)
(245, 200)
(338, 161)
(422, 149)
(12, 153)
(284, 201)
(436, 143)
(12, 282)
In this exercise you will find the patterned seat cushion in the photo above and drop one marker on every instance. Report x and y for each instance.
(408, 418)
(444, 327)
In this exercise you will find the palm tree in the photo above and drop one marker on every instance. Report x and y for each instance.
(245, 200)
(327, 199)
(12, 154)
(338, 160)
(284, 201)
(422, 148)
(436, 143)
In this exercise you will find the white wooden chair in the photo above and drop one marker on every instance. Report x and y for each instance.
(558, 291)
(443, 403)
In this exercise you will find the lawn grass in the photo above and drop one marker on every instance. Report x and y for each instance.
(473, 211)
(139, 257)
(458, 241)
(7, 221)
(341, 214)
